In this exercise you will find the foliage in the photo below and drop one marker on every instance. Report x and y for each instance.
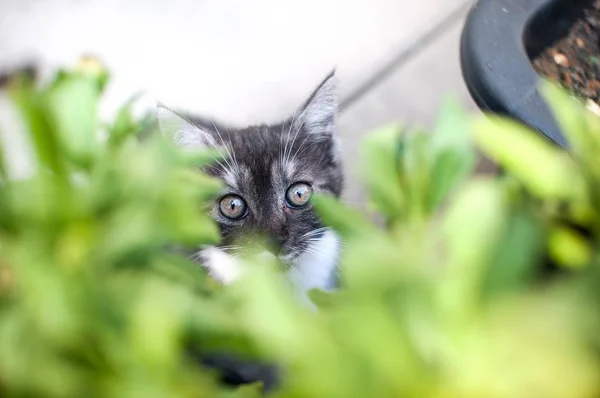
(448, 300)
(91, 304)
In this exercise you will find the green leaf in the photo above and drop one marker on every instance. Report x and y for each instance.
(453, 156)
(582, 130)
(321, 298)
(580, 126)
(569, 248)
(449, 169)
(124, 124)
(519, 253)
(415, 168)
(452, 130)
(381, 171)
(472, 230)
(44, 138)
(157, 322)
(348, 222)
(544, 169)
(253, 390)
(72, 106)
(3, 169)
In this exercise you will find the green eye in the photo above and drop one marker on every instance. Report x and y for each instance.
(298, 195)
(233, 207)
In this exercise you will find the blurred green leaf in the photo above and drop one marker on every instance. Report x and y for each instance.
(254, 390)
(72, 106)
(577, 123)
(156, 338)
(482, 207)
(124, 124)
(45, 140)
(3, 173)
(519, 253)
(452, 153)
(415, 173)
(348, 222)
(569, 248)
(545, 170)
(381, 171)
(582, 130)
(321, 298)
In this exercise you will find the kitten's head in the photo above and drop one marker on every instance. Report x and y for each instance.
(270, 172)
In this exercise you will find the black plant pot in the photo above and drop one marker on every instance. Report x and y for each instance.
(498, 41)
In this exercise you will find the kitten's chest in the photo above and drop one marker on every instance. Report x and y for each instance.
(318, 267)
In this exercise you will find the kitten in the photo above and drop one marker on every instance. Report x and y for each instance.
(269, 174)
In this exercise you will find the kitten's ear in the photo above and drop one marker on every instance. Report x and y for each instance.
(317, 116)
(180, 130)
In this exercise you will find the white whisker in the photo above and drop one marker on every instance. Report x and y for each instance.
(287, 140)
(195, 256)
(314, 232)
(309, 146)
(280, 155)
(315, 253)
(299, 151)
(295, 155)
(229, 157)
(230, 248)
(233, 156)
(180, 140)
(294, 140)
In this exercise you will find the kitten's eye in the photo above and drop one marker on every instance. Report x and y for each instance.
(233, 207)
(298, 195)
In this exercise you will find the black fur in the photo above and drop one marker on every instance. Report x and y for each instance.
(234, 371)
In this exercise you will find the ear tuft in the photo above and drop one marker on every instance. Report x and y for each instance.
(317, 116)
(179, 129)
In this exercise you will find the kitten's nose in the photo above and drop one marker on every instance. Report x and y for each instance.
(276, 243)
(278, 236)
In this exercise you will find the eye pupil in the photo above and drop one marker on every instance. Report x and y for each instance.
(298, 195)
(233, 207)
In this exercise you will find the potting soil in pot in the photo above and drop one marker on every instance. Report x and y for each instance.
(574, 60)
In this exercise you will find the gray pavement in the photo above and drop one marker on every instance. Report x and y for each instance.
(255, 61)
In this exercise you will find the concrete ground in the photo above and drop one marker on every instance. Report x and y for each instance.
(248, 61)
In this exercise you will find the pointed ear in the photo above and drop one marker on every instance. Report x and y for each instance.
(180, 130)
(318, 114)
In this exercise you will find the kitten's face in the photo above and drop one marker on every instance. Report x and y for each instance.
(270, 172)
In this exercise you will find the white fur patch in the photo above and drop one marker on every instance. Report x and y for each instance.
(316, 269)
(289, 168)
(221, 266)
(230, 179)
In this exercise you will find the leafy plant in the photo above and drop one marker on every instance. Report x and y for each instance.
(448, 300)
(91, 303)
